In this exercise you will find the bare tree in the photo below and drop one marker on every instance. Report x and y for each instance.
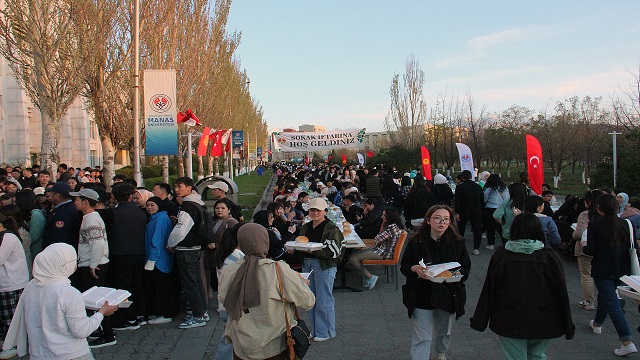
(47, 50)
(475, 123)
(408, 113)
(626, 104)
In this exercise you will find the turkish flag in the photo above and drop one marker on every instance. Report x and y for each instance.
(426, 163)
(204, 142)
(189, 118)
(216, 146)
(344, 159)
(535, 166)
(369, 154)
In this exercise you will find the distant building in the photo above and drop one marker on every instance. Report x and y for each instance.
(376, 140)
(311, 128)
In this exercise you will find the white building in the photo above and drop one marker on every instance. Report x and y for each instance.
(375, 140)
(21, 129)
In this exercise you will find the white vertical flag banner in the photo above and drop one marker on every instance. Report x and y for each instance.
(466, 160)
(360, 159)
(161, 127)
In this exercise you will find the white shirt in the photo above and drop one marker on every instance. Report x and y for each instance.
(93, 249)
(14, 273)
(56, 321)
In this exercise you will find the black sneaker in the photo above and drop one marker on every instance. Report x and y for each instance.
(142, 321)
(102, 342)
(128, 325)
(95, 335)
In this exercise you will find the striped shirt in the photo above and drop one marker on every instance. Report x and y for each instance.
(385, 241)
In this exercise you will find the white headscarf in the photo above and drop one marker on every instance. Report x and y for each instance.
(54, 264)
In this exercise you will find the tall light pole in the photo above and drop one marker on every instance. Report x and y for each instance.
(137, 174)
(615, 158)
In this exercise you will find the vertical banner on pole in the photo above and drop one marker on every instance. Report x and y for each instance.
(466, 159)
(237, 142)
(161, 128)
(360, 159)
(426, 163)
(535, 166)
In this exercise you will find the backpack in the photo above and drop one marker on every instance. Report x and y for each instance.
(205, 233)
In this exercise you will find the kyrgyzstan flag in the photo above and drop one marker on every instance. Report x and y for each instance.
(344, 159)
(216, 146)
(535, 166)
(369, 154)
(426, 163)
(204, 141)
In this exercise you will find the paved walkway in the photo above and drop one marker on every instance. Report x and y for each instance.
(374, 325)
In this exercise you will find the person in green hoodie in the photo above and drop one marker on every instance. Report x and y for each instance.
(524, 331)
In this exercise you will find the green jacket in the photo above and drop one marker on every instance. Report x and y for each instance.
(332, 252)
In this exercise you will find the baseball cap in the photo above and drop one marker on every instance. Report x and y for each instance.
(318, 204)
(60, 188)
(320, 183)
(219, 185)
(350, 190)
(292, 199)
(38, 191)
(87, 193)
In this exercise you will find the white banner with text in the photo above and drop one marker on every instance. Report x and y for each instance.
(310, 141)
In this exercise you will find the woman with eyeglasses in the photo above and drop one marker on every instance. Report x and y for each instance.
(433, 306)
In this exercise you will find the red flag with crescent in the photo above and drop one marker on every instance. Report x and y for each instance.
(216, 146)
(535, 166)
(369, 154)
(426, 163)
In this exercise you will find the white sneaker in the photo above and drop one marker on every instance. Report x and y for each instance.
(598, 329)
(160, 320)
(441, 357)
(625, 350)
(489, 247)
(9, 353)
(476, 252)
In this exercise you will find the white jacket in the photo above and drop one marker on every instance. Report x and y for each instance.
(14, 273)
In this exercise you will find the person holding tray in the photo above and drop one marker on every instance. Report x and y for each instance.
(433, 306)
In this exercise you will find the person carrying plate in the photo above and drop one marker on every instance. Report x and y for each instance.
(433, 306)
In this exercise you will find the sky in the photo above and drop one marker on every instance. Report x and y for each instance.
(331, 62)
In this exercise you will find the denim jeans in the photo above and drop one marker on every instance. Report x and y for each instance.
(322, 317)
(225, 351)
(608, 303)
(527, 349)
(190, 280)
(430, 326)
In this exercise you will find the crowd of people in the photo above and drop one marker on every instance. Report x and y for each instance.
(59, 239)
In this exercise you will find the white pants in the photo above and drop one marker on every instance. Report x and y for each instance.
(425, 324)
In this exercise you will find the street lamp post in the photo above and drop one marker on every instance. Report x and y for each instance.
(137, 174)
(615, 158)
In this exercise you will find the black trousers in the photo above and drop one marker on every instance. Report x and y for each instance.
(491, 226)
(162, 293)
(127, 272)
(476, 227)
(87, 281)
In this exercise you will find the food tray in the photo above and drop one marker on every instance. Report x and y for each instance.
(96, 296)
(306, 246)
(454, 278)
(628, 292)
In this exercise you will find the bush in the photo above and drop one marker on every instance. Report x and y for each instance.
(399, 157)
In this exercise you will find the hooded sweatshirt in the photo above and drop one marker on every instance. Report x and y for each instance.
(183, 235)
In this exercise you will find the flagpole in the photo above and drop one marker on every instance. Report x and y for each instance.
(615, 158)
(137, 174)
(189, 157)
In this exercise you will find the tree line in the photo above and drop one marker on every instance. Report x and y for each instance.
(575, 132)
(60, 50)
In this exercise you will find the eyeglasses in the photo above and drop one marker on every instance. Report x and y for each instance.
(440, 220)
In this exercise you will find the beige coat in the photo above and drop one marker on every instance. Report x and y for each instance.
(258, 333)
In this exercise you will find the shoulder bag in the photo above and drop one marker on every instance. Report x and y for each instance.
(635, 266)
(297, 337)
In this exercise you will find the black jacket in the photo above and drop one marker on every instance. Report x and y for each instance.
(443, 194)
(350, 215)
(469, 199)
(609, 262)
(370, 223)
(417, 203)
(126, 224)
(63, 225)
(424, 294)
(525, 296)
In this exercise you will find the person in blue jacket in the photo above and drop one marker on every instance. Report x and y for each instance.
(159, 265)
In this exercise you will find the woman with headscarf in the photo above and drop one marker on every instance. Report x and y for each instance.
(276, 240)
(623, 202)
(140, 197)
(441, 190)
(51, 313)
(249, 290)
(14, 273)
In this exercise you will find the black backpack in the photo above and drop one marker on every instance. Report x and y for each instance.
(205, 233)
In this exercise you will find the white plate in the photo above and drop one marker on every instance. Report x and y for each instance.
(628, 292)
(454, 278)
(305, 275)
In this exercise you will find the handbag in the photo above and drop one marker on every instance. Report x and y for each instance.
(297, 337)
(635, 265)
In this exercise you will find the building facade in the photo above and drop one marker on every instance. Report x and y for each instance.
(21, 128)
